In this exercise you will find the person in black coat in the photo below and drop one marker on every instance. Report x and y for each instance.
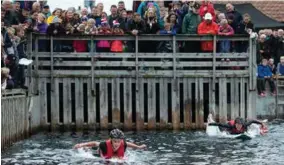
(136, 26)
(152, 27)
(56, 29)
(245, 27)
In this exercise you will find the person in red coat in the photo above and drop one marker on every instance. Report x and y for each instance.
(116, 45)
(207, 7)
(208, 26)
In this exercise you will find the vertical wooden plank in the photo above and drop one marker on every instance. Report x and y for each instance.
(140, 110)
(196, 102)
(187, 103)
(43, 101)
(212, 97)
(222, 99)
(115, 102)
(163, 103)
(152, 104)
(103, 104)
(232, 106)
(175, 104)
(252, 104)
(128, 104)
(242, 103)
(55, 105)
(79, 103)
(200, 102)
(237, 101)
(67, 102)
(91, 104)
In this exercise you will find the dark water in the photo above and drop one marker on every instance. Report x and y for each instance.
(185, 147)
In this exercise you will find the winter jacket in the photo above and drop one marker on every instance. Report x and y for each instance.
(140, 26)
(242, 26)
(21, 49)
(207, 8)
(97, 18)
(42, 28)
(228, 30)
(123, 23)
(56, 29)
(263, 71)
(11, 18)
(205, 28)
(237, 18)
(280, 69)
(80, 45)
(190, 23)
(152, 29)
(111, 19)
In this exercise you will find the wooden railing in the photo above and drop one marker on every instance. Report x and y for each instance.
(110, 82)
(14, 116)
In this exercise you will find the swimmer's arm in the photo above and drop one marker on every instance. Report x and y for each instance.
(88, 144)
(221, 125)
(132, 145)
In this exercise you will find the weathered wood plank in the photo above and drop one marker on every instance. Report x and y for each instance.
(242, 101)
(237, 97)
(186, 103)
(145, 74)
(151, 104)
(233, 95)
(175, 105)
(222, 100)
(200, 102)
(84, 55)
(103, 104)
(163, 64)
(55, 105)
(140, 111)
(115, 103)
(91, 105)
(128, 104)
(43, 101)
(79, 103)
(67, 102)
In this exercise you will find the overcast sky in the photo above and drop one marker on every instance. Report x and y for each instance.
(64, 4)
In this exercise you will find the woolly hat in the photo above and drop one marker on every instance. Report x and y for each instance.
(84, 18)
(103, 21)
(115, 23)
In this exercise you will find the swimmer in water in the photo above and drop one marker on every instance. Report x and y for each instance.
(237, 126)
(115, 147)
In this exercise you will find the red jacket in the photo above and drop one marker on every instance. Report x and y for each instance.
(204, 28)
(207, 8)
(119, 153)
(80, 45)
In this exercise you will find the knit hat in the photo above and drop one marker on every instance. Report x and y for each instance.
(115, 23)
(84, 19)
(104, 21)
(55, 20)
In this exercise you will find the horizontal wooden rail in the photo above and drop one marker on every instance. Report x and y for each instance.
(145, 37)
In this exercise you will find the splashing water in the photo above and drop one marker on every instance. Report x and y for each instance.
(164, 147)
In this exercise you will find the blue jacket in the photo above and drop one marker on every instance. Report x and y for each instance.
(173, 32)
(263, 71)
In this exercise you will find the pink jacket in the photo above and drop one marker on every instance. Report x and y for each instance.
(228, 30)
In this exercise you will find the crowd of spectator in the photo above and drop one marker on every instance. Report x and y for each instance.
(151, 17)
